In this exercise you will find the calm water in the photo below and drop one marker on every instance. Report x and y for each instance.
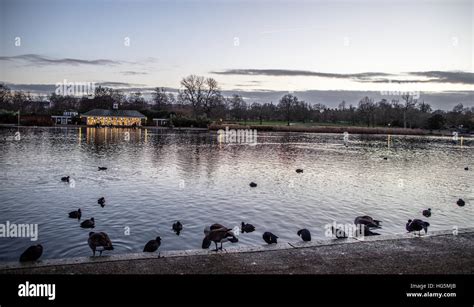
(157, 177)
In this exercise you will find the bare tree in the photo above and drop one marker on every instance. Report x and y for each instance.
(192, 92)
(409, 104)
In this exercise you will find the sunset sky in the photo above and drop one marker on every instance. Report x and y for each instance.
(251, 47)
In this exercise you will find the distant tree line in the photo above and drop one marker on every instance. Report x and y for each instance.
(201, 98)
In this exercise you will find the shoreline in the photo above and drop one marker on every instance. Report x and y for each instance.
(290, 129)
(438, 251)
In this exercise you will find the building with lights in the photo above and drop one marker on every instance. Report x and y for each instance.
(115, 117)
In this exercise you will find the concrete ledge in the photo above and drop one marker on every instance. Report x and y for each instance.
(200, 252)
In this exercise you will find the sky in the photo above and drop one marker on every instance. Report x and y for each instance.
(255, 48)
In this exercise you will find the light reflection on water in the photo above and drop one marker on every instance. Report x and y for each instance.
(156, 177)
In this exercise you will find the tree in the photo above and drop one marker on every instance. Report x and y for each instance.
(286, 105)
(160, 98)
(409, 104)
(436, 122)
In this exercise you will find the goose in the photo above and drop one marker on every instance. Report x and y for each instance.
(269, 237)
(304, 234)
(417, 225)
(65, 179)
(253, 184)
(427, 212)
(88, 223)
(299, 170)
(367, 221)
(247, 227)
(461, 202)
(219, 235)
(177, 227)
(99, 239)
(75, 214)
(32, 253)
(206, 242)
(338, 233)
(152, 245)
(101, 168)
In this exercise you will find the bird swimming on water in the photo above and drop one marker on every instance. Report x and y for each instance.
(417, 225)
(466, 168)
(367, 221)
(269, 237)
(101, 202)
(247, 228)
(88, 223)
(252, 184)
(427, 212)
(101, 168)
(460, 202)
(304, 234)
(65, 179)
(75, 214)
(99, 239)
(152, 245)
(299, 170)
(177, 227)
(32, 253)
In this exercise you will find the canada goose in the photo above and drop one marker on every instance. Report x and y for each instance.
(417, 225)
(32, 253)
(177, 227)
(299, 170)
(101, 168)
(461, 202)
(75, 214)
(152, 245)
(247, 228)
(338, 233)
(427, 212)
(253, 184)
(65, 179)
(367, 221)
(219, 235)
(269, 237)
(88, 223)
(99, 239)
(304, 234)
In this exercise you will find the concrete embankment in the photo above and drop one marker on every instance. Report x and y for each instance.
(440, 252)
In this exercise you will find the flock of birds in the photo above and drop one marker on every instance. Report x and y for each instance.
(217, 233)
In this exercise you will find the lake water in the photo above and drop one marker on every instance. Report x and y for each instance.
(156, 177)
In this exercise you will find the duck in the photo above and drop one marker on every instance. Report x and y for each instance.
(367, 221)
(152, 245)
(427, 212)
(304, 234)
(32, 253)
(219, 235)
(299, 170)
(269, 237)
(247, 227)
(102, 168)
(252, 184)
(101, 202)
(460, 202)
(338, 233)
(88, 223)
(75, 214)
(417, 225)
(99, 239)
(65, 179)
(177, 227)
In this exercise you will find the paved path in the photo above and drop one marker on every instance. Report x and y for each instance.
(437, 253)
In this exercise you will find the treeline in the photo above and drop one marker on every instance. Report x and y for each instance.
(200, 99)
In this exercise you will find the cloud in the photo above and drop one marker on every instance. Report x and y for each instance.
(40, 60)
(459, 77)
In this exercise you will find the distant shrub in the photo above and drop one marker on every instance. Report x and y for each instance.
(189, 122)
